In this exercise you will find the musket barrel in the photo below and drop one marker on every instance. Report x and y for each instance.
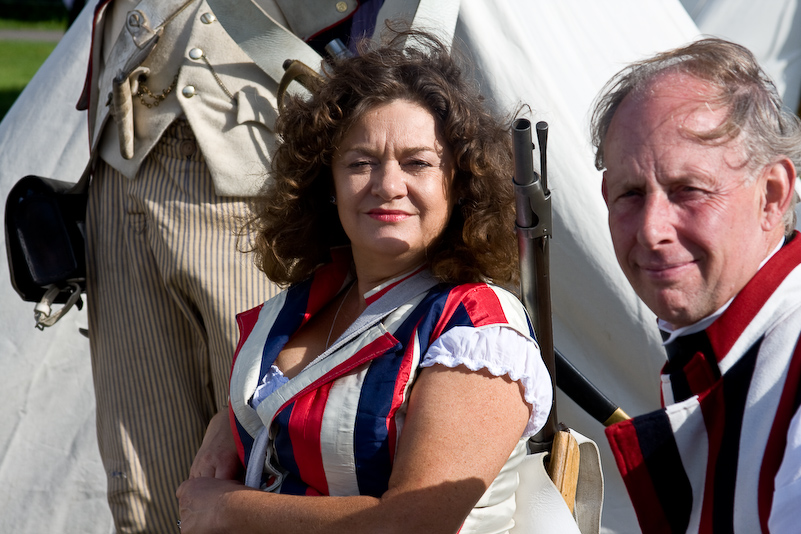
(542, 139)
(524, 170)
(533, 230)
(522, 146)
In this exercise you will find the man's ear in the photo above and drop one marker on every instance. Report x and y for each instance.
(779, 188)
(604, 190)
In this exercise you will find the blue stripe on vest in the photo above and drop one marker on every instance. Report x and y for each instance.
(460, 317)
(292, 484)
(370, 434)
(286, 324)
(371, 437)
(244, 437)
(436, 304)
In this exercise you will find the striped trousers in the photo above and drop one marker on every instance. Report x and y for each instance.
(165, 281)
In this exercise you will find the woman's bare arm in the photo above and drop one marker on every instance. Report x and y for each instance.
(460, 428)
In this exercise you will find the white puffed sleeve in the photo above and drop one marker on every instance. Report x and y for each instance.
(501, 351)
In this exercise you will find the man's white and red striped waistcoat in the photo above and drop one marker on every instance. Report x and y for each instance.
(707, 462)
(338, 435)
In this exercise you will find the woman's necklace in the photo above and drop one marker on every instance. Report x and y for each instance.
(334, 322)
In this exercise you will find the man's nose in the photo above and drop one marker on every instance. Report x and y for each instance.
(657, 221)
(389, 181)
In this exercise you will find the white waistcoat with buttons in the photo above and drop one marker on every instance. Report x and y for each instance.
(228, 101)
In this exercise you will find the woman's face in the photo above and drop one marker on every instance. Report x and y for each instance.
(392, 180)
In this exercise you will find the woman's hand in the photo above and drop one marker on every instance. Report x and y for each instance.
(202, 504)
(217, 456)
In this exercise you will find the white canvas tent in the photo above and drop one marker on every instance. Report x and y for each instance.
(552, 56)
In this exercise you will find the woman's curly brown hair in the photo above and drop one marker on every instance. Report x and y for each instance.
(295, 224)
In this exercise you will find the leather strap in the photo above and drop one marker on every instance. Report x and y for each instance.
(261, 37)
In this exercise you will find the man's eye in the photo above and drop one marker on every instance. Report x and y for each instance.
(631, 193)
(689, 192)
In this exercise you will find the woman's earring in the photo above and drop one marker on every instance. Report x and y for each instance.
(333, 200)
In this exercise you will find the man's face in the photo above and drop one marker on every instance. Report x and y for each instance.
(686, 218)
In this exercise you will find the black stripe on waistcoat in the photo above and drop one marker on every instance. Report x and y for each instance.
(736, 383)
(661, 456)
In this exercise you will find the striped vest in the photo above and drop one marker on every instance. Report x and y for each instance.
(707, 462)
(338, 437)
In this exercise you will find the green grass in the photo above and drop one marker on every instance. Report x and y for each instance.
(19, 61)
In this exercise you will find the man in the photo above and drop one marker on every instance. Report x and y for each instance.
(699, 163)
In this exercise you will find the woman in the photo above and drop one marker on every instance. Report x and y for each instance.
(390, 213)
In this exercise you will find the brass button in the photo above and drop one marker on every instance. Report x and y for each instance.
(188, 91)
(207, 18)
(196, 53)
(342, 7)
